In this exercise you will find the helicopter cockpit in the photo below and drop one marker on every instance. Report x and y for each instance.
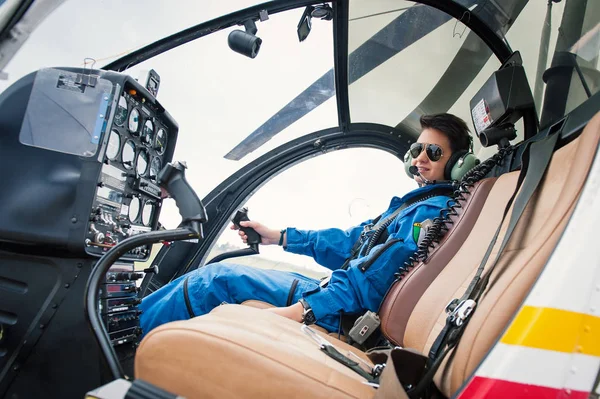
(99, 204)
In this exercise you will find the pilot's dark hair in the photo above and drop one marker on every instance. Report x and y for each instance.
(452, 126)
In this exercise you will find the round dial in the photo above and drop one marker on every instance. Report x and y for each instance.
(160, 145)
(148, 133)
(128, 154)
(147, 212)
(113, 146)
(121, 113)
(142, 162)
(134, 121)
(134, 209)
(155, 166)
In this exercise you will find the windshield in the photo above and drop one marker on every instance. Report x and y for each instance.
(405, 59)
(438, 58)
(220, 97)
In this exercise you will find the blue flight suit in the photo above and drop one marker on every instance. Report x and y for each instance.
(356, 289)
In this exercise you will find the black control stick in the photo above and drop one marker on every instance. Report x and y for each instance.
(191, 209)
(253, 237)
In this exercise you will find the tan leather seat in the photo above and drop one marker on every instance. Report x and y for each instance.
(258, 304)
(241, 351)
(531, 245)
(238, 351)
(405, 293)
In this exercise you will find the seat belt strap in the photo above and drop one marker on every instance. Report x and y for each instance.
(456, 307)
(538, 156)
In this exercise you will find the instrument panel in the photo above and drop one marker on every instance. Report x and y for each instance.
(128, 197)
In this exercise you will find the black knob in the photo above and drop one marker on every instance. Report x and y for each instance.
(135, 276)
(152, 269)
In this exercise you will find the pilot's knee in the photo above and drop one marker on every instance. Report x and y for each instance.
(219, 273)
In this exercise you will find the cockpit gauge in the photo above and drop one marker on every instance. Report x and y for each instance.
(160, 145)
(128, 155)
(134, 209)
(147, 212)
(155, 166)
(148, 133)
(121, 113)
(134, 122)
(142, 162)
(113, 146)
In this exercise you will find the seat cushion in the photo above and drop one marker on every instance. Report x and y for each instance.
(199, 357)
(265, 305)
(257, 304)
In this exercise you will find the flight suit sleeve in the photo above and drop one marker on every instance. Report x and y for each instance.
(363, 285)
(328, 247)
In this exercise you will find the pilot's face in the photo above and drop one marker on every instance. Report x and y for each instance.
(432, 169)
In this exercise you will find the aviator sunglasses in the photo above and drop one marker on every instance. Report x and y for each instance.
(433, 151)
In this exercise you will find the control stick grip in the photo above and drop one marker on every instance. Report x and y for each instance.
(172, 178)
(253, 237)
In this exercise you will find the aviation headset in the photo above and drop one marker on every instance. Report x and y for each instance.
(458, 165)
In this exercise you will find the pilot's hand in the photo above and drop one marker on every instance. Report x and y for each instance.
(293, 312)
(268, 236)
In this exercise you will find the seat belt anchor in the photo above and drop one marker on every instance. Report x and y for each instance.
(461, 312)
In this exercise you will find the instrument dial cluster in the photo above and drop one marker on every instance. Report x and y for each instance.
(128, 198)
(139, 138)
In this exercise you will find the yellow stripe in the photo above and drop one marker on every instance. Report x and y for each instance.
(555, 330)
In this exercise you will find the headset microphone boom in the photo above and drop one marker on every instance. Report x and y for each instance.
(415, 171)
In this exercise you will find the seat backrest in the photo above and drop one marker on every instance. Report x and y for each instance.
(530, 246)
(405, 293)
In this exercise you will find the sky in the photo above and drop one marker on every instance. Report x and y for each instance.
(219, 97)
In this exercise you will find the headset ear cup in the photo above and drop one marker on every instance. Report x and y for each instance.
(452, 162)
(461, 167)
(407, 164)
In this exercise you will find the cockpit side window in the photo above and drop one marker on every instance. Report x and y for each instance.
(334, 189)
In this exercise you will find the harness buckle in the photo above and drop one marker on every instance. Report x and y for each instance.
(451, 306)
(461, 312)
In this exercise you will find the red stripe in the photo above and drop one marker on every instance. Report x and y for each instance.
(490, 388)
